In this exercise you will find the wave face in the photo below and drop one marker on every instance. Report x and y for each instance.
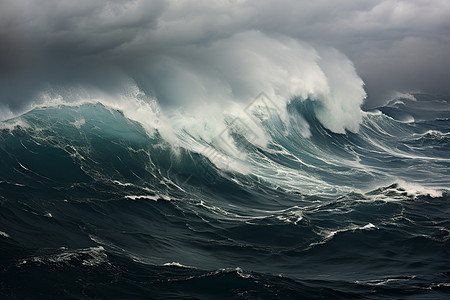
(269, 203)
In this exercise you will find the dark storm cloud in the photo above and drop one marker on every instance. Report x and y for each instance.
(67, 43)
(395, 45)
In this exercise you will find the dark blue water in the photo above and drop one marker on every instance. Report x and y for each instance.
(93, 207)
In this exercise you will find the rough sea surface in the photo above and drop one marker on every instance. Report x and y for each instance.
(94, 207)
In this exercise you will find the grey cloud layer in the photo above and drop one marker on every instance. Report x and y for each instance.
(395, 45)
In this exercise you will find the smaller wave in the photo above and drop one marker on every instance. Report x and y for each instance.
(432, 137)
(177, 264)
(405, 191)
(91, 256)
(416, 107)
(329, 235)
(146, 197)
(386, 281)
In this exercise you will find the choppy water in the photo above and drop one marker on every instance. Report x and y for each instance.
(92, 206)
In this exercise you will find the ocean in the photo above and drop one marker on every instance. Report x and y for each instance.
(269, 204)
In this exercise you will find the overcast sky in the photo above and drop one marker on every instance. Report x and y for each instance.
(395, 45)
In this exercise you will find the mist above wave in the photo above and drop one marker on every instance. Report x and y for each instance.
(239, 68)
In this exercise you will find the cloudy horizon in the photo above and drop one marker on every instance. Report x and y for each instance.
(395, 46)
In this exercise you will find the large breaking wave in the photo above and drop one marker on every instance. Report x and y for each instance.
(194, 98)
(288, 149)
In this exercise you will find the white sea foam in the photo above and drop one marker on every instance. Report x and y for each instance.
(148, 197)
(4, 234)
(13, 124)
(79, 123)
(121, 183)
(137, 197)
(177, 264)
(368, 226)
